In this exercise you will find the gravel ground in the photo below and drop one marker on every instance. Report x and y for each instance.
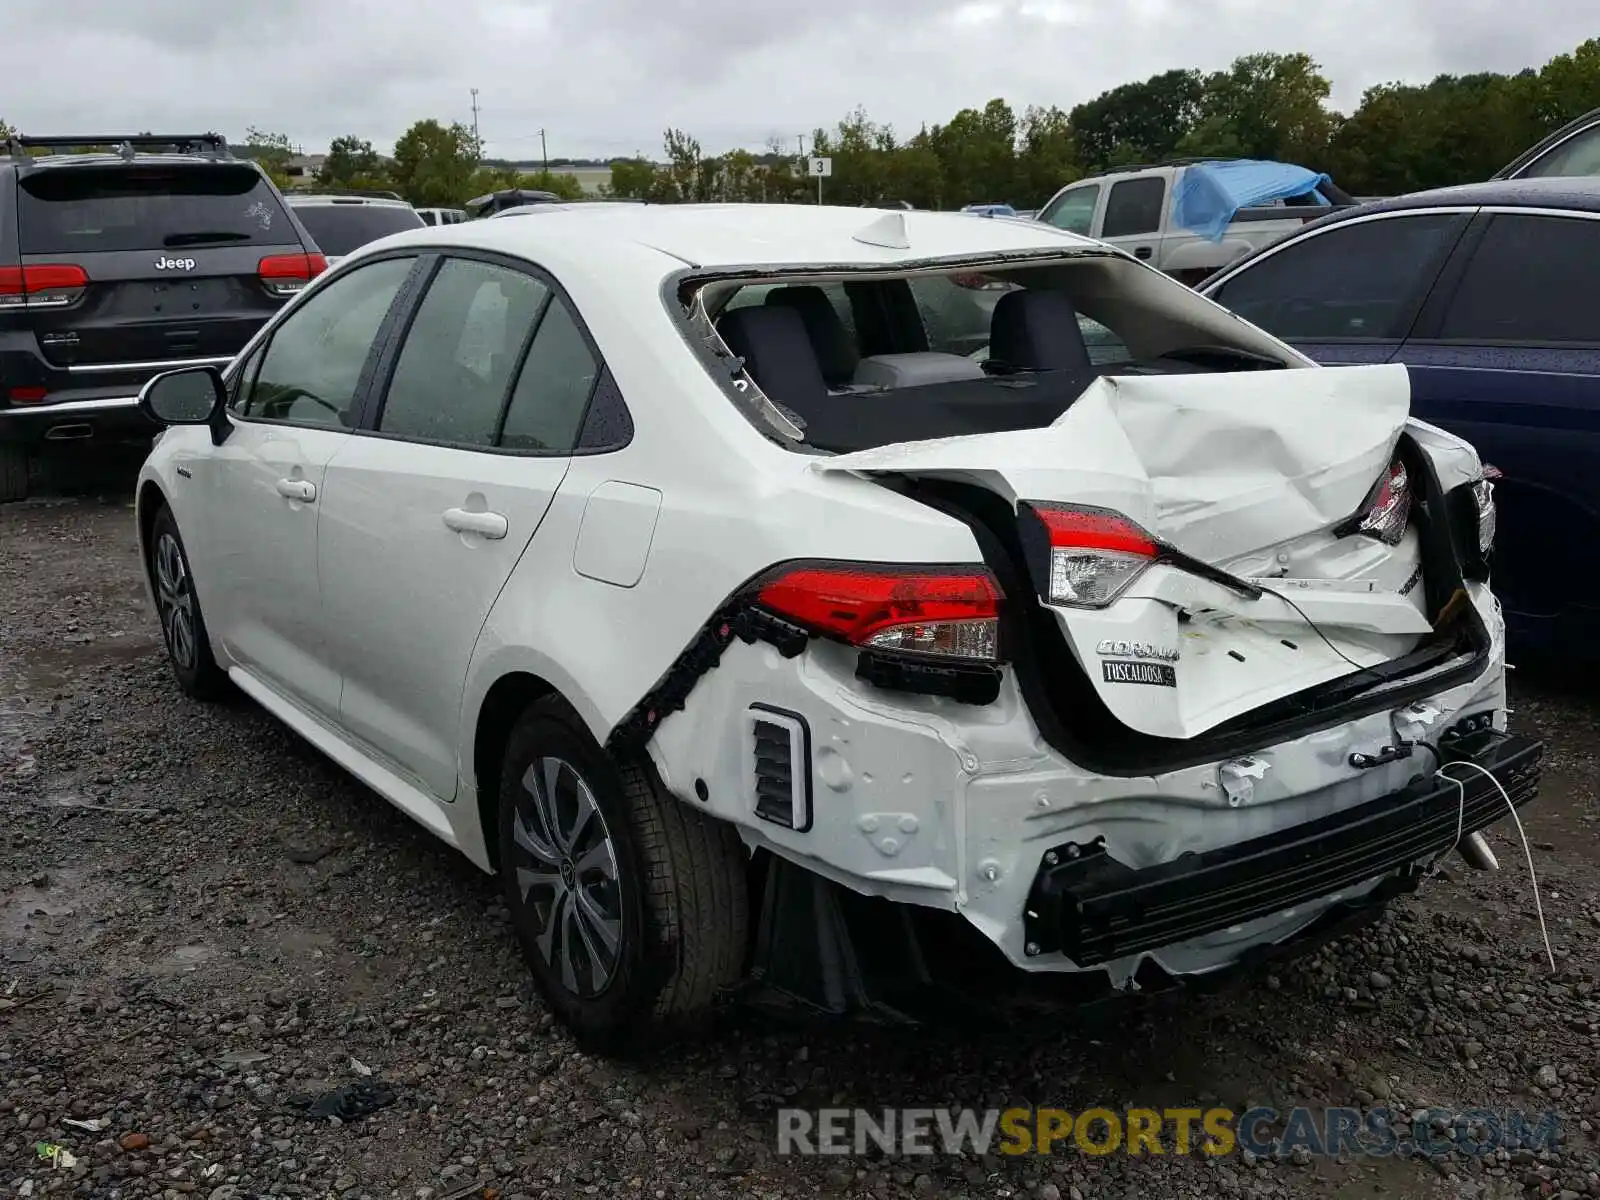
(200, 919)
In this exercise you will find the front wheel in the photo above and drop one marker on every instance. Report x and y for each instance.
(632, 908)
(183, 626)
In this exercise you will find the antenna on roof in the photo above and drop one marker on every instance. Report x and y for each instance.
(888, 231)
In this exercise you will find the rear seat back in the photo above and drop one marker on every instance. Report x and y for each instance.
(1037, 330)
(836, 350)
(777, 353)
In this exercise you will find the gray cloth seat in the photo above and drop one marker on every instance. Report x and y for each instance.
(836, 350)
(1037, 330)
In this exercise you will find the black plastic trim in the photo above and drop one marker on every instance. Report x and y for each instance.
(1095, 909)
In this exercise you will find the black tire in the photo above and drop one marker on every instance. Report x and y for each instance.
(13, 472)
(680, 898)
(183, 626)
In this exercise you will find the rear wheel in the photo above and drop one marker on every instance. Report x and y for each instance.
(183, 626)
(632, 908)
(13, 472)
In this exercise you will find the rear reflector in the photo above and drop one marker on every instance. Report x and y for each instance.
(780, 767)
(49, 285)
(27, 395)
(286, 274)
(1093, 553)
(943, 612)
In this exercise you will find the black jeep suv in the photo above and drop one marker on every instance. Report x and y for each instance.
(121, 257)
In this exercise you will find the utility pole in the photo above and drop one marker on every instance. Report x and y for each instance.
(475, 114)
(544, 153)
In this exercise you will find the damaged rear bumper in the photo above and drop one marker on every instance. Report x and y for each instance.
(1094, 909)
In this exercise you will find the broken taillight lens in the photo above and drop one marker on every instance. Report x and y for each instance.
(1390, 509)
(942, 612)
(1093, 554)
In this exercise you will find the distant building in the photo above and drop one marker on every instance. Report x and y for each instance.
(302, 169)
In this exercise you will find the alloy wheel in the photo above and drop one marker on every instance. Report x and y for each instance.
(175, 601)
(566, 873)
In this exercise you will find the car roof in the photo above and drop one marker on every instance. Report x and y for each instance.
(746, 235)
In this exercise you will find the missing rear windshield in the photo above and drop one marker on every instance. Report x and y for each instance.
(858, 360)
(78, 210)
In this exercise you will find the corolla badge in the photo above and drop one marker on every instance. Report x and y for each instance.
(175, 264)
(1117, 648)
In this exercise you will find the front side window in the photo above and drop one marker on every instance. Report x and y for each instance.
(1074, 212)
(455, 368)
(1361, 281)
(313, 362)
(1134, 207)
(1531, 280)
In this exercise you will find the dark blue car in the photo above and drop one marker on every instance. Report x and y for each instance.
(1490, 294)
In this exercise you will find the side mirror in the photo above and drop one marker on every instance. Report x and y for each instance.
(191, 396)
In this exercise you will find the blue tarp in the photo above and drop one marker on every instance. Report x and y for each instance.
(1209, 194)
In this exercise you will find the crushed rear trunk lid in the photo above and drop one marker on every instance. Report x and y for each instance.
(1249, 479)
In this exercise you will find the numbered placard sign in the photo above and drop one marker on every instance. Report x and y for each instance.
(820, 168)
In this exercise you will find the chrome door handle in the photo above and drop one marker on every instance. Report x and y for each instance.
(491, 525)
(297, 489)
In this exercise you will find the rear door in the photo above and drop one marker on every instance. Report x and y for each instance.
(1507, 356)
(1345, 293)
(1134, 216)
(426, 515)
(184, 261)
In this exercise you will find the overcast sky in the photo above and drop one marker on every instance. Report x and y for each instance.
(604, 77)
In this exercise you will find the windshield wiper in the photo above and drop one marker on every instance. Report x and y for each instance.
(194, 239)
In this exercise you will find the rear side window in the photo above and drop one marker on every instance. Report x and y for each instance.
(1134, 207)
(339, 229)
(1578, 155)
(1363, 280)
(453, 373)
(1531, 279)
(554, 388)
(76, 210)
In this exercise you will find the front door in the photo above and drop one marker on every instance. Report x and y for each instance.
(263, 487)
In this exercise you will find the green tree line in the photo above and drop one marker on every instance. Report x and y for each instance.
(1401, 137)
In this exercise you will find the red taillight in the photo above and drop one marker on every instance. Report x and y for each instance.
(951, 612)
(286, 274)
(48, 285)
(1390, 510)
(1093, 554)
(27, 395)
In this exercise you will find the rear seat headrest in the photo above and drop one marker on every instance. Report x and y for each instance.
(836, 349)
(1037, 330)
(777, 353)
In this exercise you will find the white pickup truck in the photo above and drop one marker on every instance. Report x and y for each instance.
(1138, 209)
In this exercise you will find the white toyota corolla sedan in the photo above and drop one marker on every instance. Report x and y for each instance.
(854, 606)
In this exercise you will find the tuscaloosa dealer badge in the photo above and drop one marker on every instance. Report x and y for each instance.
(1158, 673)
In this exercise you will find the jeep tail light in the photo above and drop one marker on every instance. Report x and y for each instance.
(50, 285)
(939, 612)
(286, 274)
(1389, 510)
(1093, 553)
